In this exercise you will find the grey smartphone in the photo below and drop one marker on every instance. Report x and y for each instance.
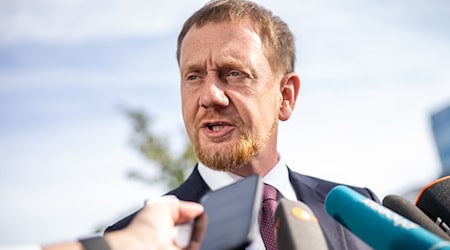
(231, 214)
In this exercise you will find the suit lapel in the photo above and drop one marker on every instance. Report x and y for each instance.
(309, 191)
(193, 188)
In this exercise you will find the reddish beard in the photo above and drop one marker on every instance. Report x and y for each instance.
(228, 157)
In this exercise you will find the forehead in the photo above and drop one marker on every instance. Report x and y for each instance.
(220, 40)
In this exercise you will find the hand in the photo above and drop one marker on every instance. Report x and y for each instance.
(153, 227)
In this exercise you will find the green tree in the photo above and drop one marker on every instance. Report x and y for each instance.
(155, 147)
(173, 168)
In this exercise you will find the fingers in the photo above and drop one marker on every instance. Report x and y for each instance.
(165, 213)
(198, 232)
(181, 211)
(188, 211)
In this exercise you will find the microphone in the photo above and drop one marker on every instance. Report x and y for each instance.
(297, 228)
(232, 212)
(376, 225)
(408, 210)
(434, 201)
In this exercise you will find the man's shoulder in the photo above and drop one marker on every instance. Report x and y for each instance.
(121, 224)
(192, 189)
(313, 191)
(323, 186)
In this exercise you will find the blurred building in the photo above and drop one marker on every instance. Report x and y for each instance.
(440, 122)
(440, 126)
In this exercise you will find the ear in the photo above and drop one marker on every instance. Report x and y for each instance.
(289, 87)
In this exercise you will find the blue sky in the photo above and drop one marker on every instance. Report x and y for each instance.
(372, 74)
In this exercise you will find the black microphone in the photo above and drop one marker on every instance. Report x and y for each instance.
(434, 201)
(408, 210)
(297, 228)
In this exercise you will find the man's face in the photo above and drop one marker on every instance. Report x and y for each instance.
(230, 96)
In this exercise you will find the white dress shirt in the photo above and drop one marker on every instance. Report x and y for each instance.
(277, 177)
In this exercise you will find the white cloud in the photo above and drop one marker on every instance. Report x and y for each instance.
(56, 21)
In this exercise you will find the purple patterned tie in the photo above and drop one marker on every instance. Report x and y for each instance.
(266, 223)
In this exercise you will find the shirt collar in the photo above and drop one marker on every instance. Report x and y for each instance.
(277, 177)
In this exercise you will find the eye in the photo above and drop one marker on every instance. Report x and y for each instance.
(237, 77)
(192, 77)
(235, 73)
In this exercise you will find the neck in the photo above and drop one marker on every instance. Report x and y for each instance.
(258, 165)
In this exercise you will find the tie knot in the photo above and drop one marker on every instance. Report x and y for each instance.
(269, 193)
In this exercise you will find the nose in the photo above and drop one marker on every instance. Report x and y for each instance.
(213, 94)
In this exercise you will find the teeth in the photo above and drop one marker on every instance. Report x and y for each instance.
(215, 127)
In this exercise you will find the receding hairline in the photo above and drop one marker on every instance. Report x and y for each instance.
(277, 39)
(246, 23)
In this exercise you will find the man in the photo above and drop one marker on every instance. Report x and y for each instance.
(236, 64)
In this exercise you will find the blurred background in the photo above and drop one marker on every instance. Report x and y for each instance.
(79, 78)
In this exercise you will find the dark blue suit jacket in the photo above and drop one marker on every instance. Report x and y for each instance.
(310, 190)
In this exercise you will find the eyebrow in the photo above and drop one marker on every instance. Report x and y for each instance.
(228, 62)
(192, 67)
(231, 62)
(237, 63)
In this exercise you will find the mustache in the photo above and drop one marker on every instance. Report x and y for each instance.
(211, 114)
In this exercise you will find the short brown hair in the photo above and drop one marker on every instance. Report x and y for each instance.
(278, 40)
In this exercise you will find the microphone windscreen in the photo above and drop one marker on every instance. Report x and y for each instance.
(297, 228)
(408, 210)
(376, 225)
(434, 201)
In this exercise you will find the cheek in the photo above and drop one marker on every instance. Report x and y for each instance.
(258, 108)
(188, 112)
(271, 99)
(256, 114)
(189, 99)
(186, 109)
(269, 110)
(188, 120)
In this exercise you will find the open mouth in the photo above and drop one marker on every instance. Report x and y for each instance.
(215, 126)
